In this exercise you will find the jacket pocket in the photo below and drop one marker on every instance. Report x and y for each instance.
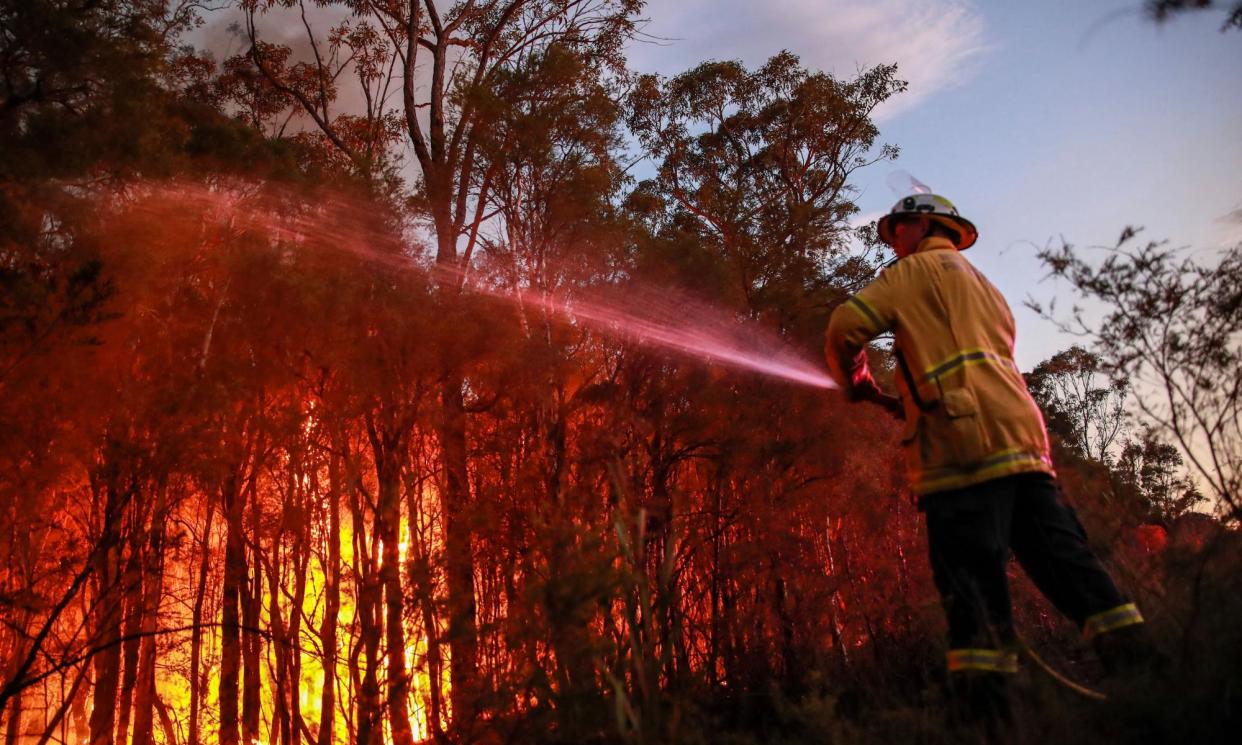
(952, 435)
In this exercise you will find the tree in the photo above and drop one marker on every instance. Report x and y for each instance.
(63, 58)
(1156, 471)
(1079, 402)
(1162, 11)
(1171, 331)
(760, 163)
(466, 46)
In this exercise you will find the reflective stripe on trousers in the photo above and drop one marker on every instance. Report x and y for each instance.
(1111, 620)
(988, 660)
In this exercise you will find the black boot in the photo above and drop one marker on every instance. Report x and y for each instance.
(980, 700)
(1127, 652)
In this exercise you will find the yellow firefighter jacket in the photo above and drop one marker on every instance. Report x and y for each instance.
(977, 420)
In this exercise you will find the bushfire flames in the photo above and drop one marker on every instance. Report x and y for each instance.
(173, 667)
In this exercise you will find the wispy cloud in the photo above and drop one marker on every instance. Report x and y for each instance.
(1228, 227)
(1231, 218)
(936, 44)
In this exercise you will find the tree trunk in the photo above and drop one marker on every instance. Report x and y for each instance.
(13, 723)
(903, 567)
(107, 626)
(834, 606)
(230, 616)
(332, 605)
(166, 723)
(388, 475)
(282, 706)
(717, 538)
(791, 660)
(107, 662)
(13, 708)
(462, 633)
(293, 634)
(370, 725)
(144, 694)
(131, 590)
(420, 582)
(368, 718)
(196, 633)
(79, 719)
(252, 594)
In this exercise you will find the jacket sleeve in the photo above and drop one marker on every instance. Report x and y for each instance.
(855, 322)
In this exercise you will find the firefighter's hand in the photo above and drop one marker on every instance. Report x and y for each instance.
(870, 392)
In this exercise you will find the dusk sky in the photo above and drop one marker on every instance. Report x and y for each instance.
(1039, 120)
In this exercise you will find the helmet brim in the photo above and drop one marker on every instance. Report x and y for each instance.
(960, 225)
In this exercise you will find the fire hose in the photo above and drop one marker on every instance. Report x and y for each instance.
(1059, 677)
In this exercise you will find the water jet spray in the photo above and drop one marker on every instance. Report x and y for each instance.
(655, 317)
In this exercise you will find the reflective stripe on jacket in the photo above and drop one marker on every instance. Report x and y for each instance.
(956, 334)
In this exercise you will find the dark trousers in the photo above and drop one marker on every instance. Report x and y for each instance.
(970, 534)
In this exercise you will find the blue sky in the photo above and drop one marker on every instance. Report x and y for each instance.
(1038, 119)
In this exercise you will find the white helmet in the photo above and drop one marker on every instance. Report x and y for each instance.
(938, 209)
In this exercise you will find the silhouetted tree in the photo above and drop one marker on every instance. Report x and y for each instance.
(1156, 470)
(1079, 402)
(1170, 330)
(1161, 11)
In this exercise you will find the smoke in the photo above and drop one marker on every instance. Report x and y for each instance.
(656, 317)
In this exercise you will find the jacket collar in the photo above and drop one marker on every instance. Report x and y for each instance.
(933, 243)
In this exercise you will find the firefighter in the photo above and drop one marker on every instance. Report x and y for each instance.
(977, 453)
